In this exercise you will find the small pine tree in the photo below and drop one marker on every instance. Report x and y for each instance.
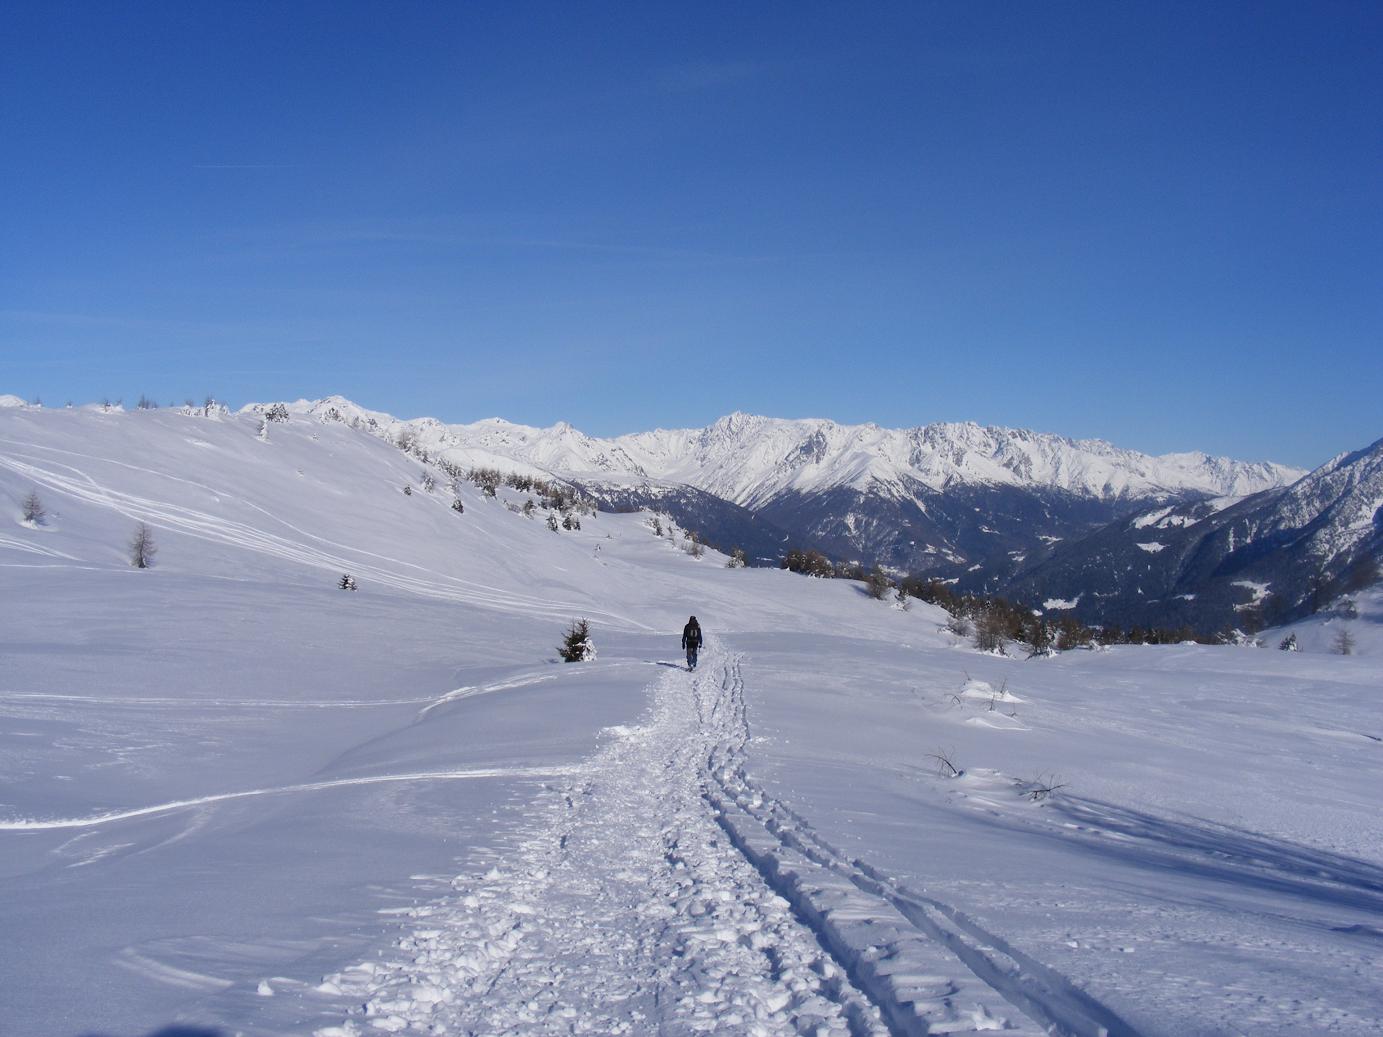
(1289, 644)
(407, 490)
(552, 521)
(657, 526)
(458, 507)
(142, 549)
(428, 483)
(877, 584)
(577, 646)
(1344, 642)
(571, 522)
(33, 509)
(347, 582)
(901, 600)
(737, 559)
(529, 507)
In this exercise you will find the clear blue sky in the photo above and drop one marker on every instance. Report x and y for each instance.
(1159, 223)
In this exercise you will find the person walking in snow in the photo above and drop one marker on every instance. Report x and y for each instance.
(691, 641)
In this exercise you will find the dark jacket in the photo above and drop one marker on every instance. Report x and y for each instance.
(691, 635)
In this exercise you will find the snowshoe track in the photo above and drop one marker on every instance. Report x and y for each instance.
(901, 947)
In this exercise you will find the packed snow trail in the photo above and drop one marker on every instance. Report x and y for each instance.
(626, 910)
(657, 892)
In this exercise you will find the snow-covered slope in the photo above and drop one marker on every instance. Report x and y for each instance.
(233, 795)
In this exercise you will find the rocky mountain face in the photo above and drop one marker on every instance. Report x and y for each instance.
(1036, 516)
(1271, 557)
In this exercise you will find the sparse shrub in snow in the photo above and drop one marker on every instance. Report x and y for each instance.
(278, 412)
(877, 583)
(1289, 644)
(1040, 640)
(656, 524)
(458, 507)
(1041, 787)
(32, 509)
(577, 646)
(809, 563)
(990, 631)
(693, 545)
(264, 431)
(570, 522)
(959, 624)
(407, 490)
(428, 483)
(552, 521)
(1072, 634)
(529, 507)
(737, 559)
(142, 548)
(347, 582)
(1344, 642)
(145, 403)
(944, 767)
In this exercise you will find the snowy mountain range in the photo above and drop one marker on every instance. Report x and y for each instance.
(752, 460)
(977, 506)
(1108, 534)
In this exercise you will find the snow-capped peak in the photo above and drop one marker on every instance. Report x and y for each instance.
(750, 459)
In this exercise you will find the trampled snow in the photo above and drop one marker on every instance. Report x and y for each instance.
(236, 796)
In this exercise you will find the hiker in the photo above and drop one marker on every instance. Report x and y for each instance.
(691, 641)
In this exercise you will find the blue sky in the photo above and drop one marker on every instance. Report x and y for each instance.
(1159, 224)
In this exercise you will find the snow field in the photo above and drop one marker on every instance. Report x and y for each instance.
(223, 780)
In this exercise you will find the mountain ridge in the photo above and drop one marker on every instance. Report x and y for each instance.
(751, 459)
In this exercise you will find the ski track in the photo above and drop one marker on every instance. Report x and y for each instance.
(332, 556)
(473, 690)
(16, 544)
(660, 890)
(33, 825)
(930, 967)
